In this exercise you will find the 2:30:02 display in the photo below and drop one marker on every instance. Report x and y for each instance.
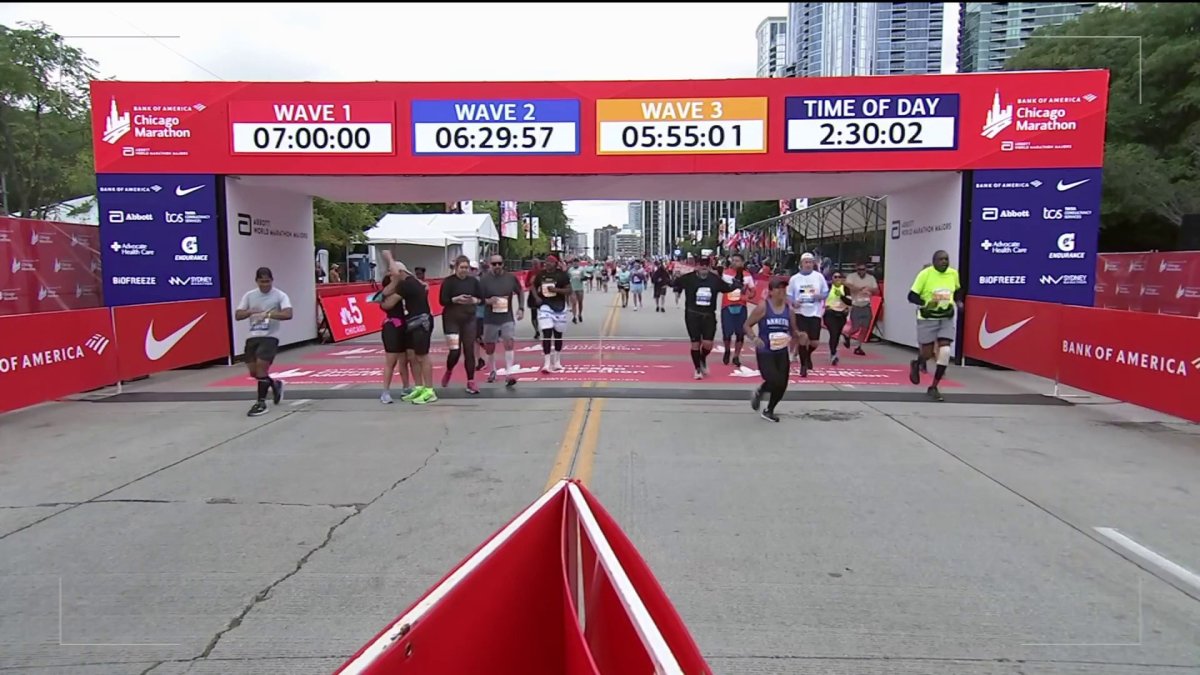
(681, 136)
(873, 133)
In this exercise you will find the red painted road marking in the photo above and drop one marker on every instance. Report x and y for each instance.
(632, 347)
(677, 372)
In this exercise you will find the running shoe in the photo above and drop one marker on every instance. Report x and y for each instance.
(385, 397)
(935, 394)
(704, 369)
(725, 357)
(858, 351)
(846, 340)
(698, 375)
(259, 408)
(803, 368)
(769, 415)
(756, 399)
(491, 378)
(737, 362)
(480, 364)
(276, 391)
(427, 396)
(413, 395)
(472, 388)
(446, 378)
(405, 392)
(914, 371)
(510, 382)
(834, 361)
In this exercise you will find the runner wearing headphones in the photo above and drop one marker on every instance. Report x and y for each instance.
(701, 289)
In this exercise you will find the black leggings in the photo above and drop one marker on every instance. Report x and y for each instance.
(836, 323)
(467, 332)
(774, 366)
(549, 334)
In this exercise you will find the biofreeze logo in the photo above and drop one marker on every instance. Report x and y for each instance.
(15, 362)
(134, 281)
(1002, 280)
(1127, 357)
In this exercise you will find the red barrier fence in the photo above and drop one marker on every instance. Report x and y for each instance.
(1157, 283)
(1149, 360)
(47, 266)
(48, 355)
(353, 314)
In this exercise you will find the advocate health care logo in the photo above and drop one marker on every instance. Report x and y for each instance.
(1033, 115)
(147, 123)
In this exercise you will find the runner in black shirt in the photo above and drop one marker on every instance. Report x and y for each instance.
(460, 294)
(701, 289)
(412, 295)
(552, 287)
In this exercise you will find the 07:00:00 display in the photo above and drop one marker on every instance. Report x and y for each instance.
(345, 138)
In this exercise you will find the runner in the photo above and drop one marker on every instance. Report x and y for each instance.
(937, 293)
(637, 283)
(862, 287)
(602, 271)
(499, 287)
(773, 342)
(700, 311)
(837, 310)
(393, 335)
(552, 286)
(418, 330)
(576, 273)
(807, 290)
(531, 300)
(623, 277)
(733, 314)
(265, 307)
(661, 279)
(589, 275)
(460, 294)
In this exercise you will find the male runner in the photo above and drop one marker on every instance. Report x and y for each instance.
(418, 329)
(773, 342)
(862, 287)
(837, 310)
(733, 314)
(937, 293)
(499, 287)
(552, 287)
(576, 274)
(807, 290)
(701, 289)
(265, 307)
(661, 278)
(460, 294)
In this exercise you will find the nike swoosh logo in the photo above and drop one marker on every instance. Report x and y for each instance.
(1063, 187)
(181, 192)
(156, 349)
(989, 339)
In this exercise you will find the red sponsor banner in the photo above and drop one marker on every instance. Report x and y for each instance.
(1013, 333)
(1158, 283)
(47, 266)
(559, 590)
(1151, 360)
(49, 355)
(352, 316)
(983, 120)
(163, 336)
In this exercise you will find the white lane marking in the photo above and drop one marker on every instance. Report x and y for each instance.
(340, 386)
(1178, 571)
(301, 401)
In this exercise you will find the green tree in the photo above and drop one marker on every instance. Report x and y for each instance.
(755, 212)
(338, 225)
(1152, 152)
(45, 131)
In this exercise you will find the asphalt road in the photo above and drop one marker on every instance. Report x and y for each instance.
(169, 534)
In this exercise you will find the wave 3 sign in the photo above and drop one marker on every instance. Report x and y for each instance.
(158, 236)
(1034, 234)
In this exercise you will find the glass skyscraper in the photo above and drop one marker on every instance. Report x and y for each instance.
(666, 223)
(990, 32)
(772, 47)
(830, 39)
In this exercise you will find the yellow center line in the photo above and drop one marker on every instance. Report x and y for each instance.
(577, 451)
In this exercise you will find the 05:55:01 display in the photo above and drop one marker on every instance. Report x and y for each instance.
(680, 135)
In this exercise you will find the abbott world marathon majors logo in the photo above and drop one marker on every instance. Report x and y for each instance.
(249, 226)
(909, 228)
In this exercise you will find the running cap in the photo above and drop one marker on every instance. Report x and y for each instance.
(807, 256)
(552, 259)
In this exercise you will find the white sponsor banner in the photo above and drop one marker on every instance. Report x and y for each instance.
(922, 219)
(272, 228)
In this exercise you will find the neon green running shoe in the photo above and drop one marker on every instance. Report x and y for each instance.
(427, 396)
(412, 395)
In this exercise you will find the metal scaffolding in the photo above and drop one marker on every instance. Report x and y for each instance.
(846, 229)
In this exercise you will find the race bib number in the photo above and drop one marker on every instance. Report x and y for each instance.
(704, 297)
(808, 295)
(779, 341)
(943, 296)
(260, 327)
(734, 295)
(500, 306)
(548, 289)
(452, 341)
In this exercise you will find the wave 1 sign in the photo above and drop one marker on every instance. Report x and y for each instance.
(158, 238)
(1035, 234)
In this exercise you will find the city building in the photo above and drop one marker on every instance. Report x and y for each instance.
(602, 242)
(635, 217)
(627, 244)
(990, 32)
(577, 243)
(772, 46)
(832, 39)
(669, 223)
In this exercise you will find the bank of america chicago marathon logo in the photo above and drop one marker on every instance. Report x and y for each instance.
(1034, 114)
(146, 121)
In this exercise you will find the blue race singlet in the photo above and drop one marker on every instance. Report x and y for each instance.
(777, 333)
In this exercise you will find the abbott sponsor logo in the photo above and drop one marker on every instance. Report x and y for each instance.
(1066, 248)
(1065, 280)
(118, 217)
(134, 281)
(156, 348)
(994, 213)
(989, 339)
(191, 281)
(996, 280)
(1003, 247)
(1158, 363)
(49, 357)
(191, 251)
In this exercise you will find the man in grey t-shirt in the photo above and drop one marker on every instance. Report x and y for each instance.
(265, 307)
(499, 287)
(862, 286)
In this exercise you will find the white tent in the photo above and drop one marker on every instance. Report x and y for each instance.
(475, 230)
(414, 241)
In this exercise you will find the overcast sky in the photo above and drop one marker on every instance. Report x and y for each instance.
(420, 42)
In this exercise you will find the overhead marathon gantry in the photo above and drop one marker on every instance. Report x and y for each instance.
(267, 148)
